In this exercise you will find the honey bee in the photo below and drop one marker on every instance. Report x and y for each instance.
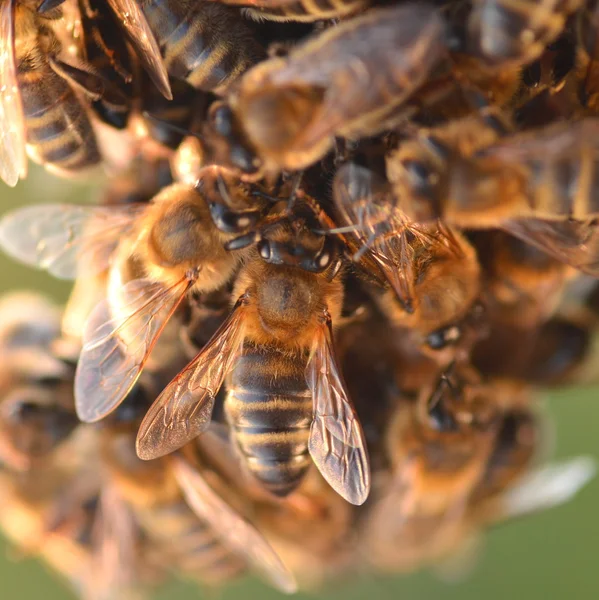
(287, 297)
(289, 110)
(303, 11)
(36, 399)
(182, 514)
(524, 285)
(502, 32)
(218, 46)
(431, 273)
(438, 447)
(536, 186)
(57, 134)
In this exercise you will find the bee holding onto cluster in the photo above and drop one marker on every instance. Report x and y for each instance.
(339, 247)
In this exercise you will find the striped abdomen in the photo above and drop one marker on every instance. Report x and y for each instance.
(59, 132)
(187, 543)
(307, 11)
(269, 408)
(563, 186)
(206, 44)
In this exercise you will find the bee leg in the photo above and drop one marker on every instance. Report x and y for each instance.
(90, 84)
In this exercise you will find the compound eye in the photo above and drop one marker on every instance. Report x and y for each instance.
(222, 120)
(437, 340)
(264, 249)
(421, 176)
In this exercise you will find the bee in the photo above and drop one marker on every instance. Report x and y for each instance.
(524, 285)
(550, 354)
(36, 399)
(430, 273)
(303, 11)
(518, 32)
(177, 502)
(287, 297)
(217, 46)
(438, 447)
(40, 111)
(287, 111)
(536, 186)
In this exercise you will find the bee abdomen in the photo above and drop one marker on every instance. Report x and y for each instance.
(308, 10)
(208, 45)
(269, 408)
(59, 131)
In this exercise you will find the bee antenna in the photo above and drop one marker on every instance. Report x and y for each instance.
(181, 130)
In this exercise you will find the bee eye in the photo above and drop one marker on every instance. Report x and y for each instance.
(264, 249)
(421, 176)
(439, 339)
(222, 120)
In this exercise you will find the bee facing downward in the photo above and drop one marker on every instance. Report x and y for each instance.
(286, 398)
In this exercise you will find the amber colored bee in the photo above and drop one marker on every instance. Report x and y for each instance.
(177, 503)
(40, 111)
(535, 185)
(438, 446)
(502, 31)
(288, 110)
(304, 11)
(287, 297)
(431, 272)
(523, 284)
(178, 245)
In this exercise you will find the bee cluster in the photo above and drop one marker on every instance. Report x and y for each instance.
(341, 246)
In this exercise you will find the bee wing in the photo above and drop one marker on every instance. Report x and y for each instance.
(66, 239)
(133, 20)
(548, 486)
(363, 200)
(235, 532)
(575, 243)
(115, 349)
(184, 408)
(114, 536)
(13, 158)
(337, 443)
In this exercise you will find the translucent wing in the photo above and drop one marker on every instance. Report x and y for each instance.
(114, 563)
(13, 159)
(337, 443)
(575, 243)
(235, 532)
(550, 144)
(65, 239)
(381, 234)
(548, 486)
(116, 348)
(133, 20)
(184, 409)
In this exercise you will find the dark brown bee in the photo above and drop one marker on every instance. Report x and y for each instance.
(288, 296)
(208, 45)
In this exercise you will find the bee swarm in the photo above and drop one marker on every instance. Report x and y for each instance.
(341, 248)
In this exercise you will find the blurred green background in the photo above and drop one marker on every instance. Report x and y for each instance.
(552, 555)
